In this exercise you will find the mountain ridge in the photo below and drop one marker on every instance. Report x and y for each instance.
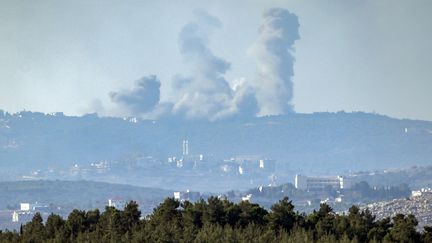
(336, 141)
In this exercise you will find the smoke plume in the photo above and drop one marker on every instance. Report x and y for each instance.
(142, 99)
(207, 94)
(274, 53)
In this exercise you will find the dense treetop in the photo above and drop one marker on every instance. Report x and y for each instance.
(218, 220)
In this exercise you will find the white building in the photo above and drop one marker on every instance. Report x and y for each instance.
(247, 198)
(318, 183)
(177, 195)
(116, 203)
(261, 164)
(15, 217)
(25, 206)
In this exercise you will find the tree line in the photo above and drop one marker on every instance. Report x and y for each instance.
(219, 220)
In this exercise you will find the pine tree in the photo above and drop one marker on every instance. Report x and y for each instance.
(282, 215)
(34, 231)
(54, 226)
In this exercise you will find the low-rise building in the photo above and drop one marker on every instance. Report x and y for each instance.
(25, 206)
(187, 196)
(318, 183)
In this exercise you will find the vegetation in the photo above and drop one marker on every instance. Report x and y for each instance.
(217, 220)
(75, 194)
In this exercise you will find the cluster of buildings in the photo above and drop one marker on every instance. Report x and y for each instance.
(26, 212)
(243, 165)
(240, 165)
(421, 192)
(94, 168)
(187, 161)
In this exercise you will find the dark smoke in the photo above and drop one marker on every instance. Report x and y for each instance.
(142, 99)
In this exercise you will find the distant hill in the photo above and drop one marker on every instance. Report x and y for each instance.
(316, 143)
(76, 194)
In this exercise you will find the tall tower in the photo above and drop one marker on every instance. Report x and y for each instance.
(185, 147)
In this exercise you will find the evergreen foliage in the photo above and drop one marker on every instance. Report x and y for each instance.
(217, 220)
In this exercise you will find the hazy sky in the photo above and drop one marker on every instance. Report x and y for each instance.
(352, 55)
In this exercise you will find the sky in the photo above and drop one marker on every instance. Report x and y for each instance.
(82, 57)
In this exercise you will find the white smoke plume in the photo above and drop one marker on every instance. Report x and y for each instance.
(207, 94)
(274, 53)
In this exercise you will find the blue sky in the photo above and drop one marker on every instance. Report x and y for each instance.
(351, 55)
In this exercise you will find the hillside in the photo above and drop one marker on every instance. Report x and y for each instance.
(420, 206)
(337, 142)
(76, 194)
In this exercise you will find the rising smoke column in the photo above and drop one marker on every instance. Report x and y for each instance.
(274, 53)
(140, 100)
(206, 94)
